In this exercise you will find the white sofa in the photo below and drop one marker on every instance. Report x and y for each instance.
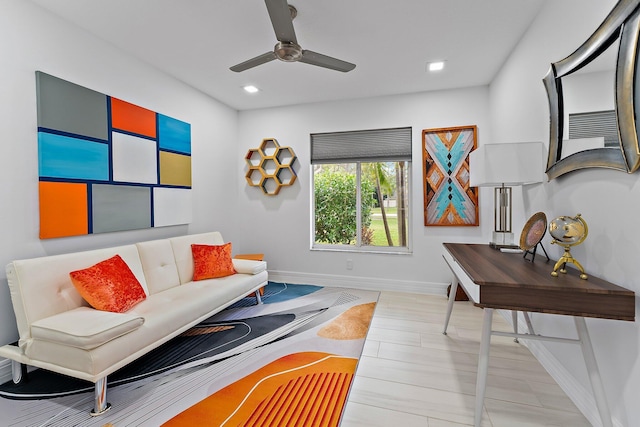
(60, 332)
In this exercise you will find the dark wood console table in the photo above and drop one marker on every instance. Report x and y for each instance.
(497, 280)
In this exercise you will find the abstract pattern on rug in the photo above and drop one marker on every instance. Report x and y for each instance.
(289, 361)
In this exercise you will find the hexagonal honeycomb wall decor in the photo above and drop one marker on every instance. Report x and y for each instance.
(270, 166)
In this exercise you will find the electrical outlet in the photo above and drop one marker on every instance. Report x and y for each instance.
(349, 264)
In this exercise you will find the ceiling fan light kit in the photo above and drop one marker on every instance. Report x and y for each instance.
(287, 49)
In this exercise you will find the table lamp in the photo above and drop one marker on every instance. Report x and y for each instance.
(504, 166)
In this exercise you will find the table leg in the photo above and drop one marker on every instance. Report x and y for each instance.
(483, 364)
(452, 298)
(592, 370)
(514, 316)
(529, 324)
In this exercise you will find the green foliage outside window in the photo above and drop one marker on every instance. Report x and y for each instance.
(335, 206)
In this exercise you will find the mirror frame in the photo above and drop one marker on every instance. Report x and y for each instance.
(622, 22)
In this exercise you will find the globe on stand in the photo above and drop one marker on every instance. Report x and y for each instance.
(568, 231)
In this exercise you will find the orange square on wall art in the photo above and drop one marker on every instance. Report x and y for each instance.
(132, 118)
(63, 209)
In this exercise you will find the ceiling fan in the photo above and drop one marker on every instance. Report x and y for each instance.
(287, 49)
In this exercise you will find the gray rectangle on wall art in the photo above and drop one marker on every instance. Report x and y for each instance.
(120, 207)
(69, 108)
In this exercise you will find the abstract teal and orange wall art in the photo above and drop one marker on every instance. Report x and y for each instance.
(448, 198)
(105, 164)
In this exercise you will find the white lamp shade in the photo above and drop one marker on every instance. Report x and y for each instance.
(511, 164)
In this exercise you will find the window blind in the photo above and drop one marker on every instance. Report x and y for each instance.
(595, 124)
(363, 145)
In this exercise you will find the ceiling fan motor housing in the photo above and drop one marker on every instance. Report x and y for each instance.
(288, 51)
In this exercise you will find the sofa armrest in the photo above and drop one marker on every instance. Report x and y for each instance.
(247, 266)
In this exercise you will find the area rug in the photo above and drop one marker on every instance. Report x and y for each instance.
(289, 361)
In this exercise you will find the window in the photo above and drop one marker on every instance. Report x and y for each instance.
(595, 124)
(360, 190)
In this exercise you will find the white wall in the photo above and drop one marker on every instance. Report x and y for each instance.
(280, 226)
(608, 200)
(32, 39)
(587, 92)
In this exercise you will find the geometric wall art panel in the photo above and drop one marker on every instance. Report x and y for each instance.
(102, 162)
(134, 159)
(174, 135)
(72, 158)
(171, 206)
(133, 119)
(448, 198)
(71, 109)
(63, 209)
(120, 207)
(175, 169)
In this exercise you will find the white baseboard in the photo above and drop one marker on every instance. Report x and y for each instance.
(582, 397)
(355, 282)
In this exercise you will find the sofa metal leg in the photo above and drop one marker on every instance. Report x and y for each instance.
(100, 394)
(18, 372)
(258, 298)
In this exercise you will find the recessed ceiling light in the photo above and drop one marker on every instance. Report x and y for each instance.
(436, 66)
(251, 88)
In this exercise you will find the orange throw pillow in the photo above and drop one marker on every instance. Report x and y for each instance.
(210, 262)
(109, 285)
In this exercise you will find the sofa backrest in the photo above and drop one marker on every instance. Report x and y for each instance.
(159, 265)
(41, 287)
(182, 251)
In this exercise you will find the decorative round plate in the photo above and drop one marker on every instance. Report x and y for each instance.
(533, 231)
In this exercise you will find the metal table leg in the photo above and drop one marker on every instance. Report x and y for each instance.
(514, 320)
(452, 298)
(529, 324)
(483, 364)
(594, 373)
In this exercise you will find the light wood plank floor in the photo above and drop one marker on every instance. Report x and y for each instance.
(413, 375)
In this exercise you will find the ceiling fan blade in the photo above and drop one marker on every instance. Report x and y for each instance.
(254, 62)
(315, 58)
(281, 20)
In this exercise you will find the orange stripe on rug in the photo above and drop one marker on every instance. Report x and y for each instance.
(204, 331)
(301, 389)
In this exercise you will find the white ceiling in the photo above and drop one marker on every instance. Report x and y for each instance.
(196, 41)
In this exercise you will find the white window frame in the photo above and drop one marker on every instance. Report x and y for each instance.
(358, 245)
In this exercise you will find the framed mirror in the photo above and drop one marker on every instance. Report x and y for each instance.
(620, 29)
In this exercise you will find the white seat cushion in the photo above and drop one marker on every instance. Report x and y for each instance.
(85, 327)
